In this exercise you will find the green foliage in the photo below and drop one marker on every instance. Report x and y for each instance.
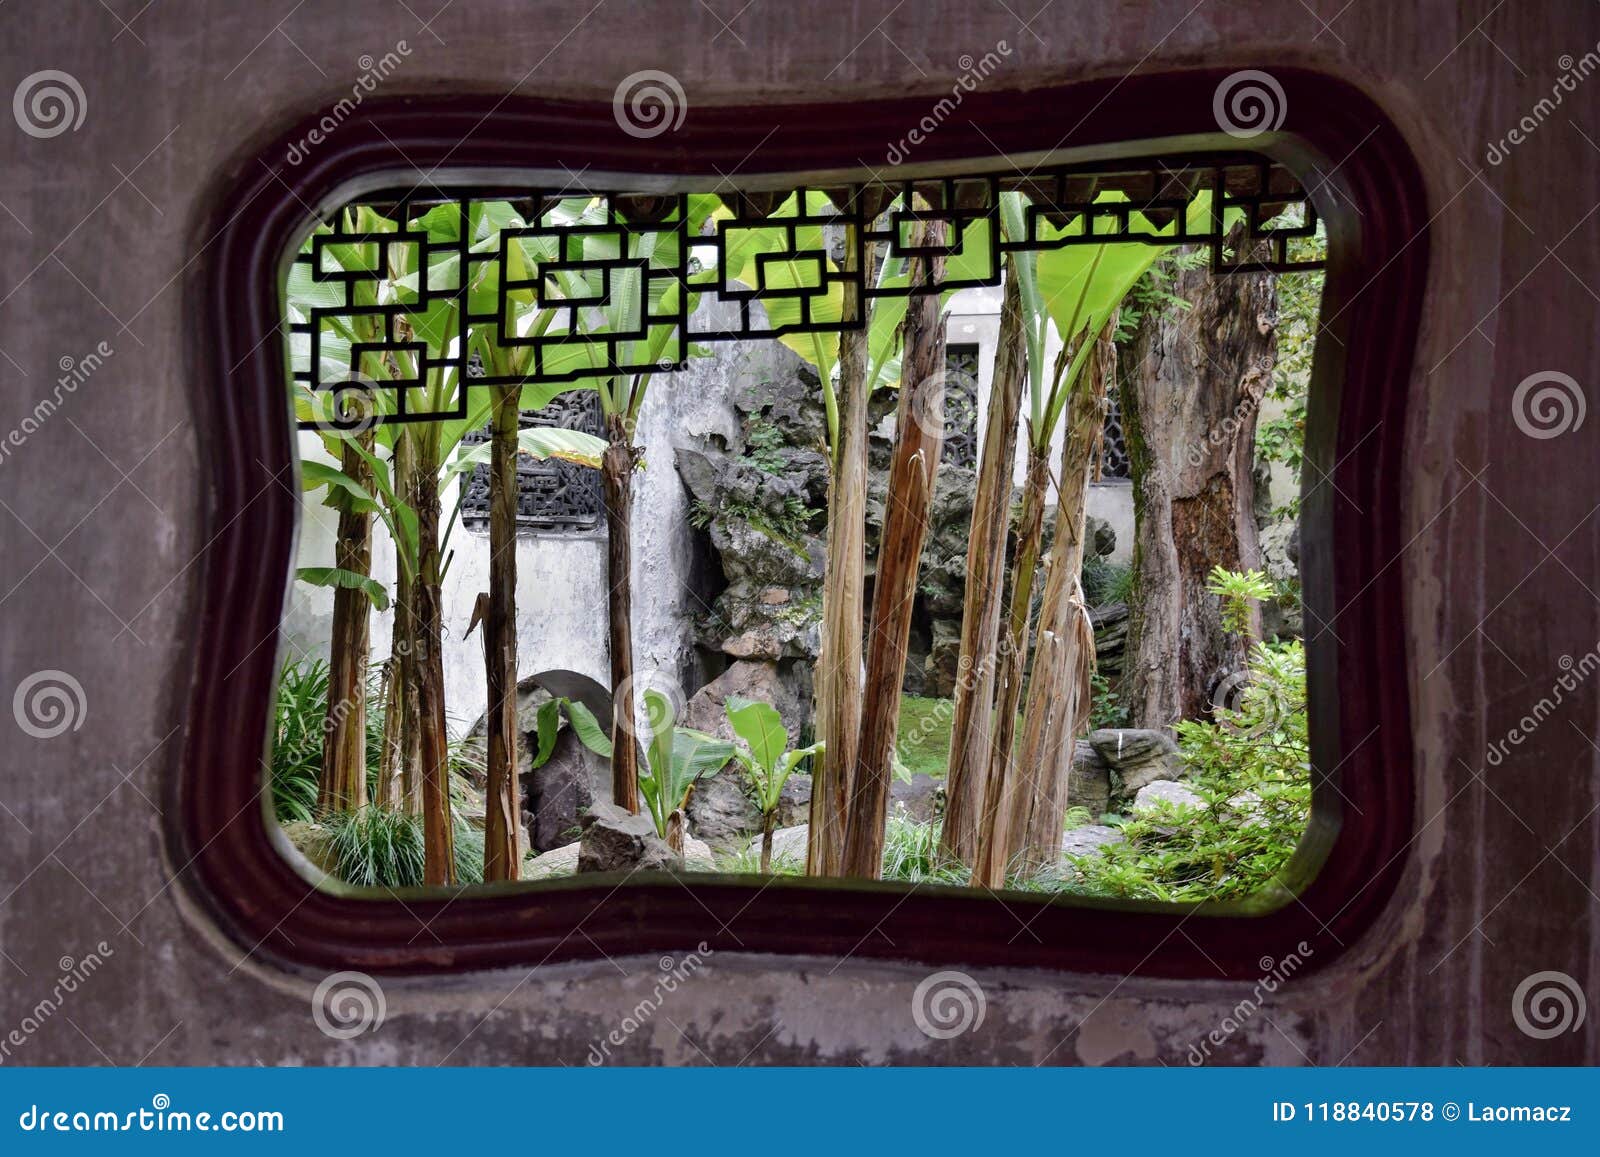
(788, 527)
(298, 720)
(297, 730)
(384, 849)
(911, 853)
(922, 741)
(1106, 582)
(1237, 590)
(1152, 293)
(765, 757)
(1282, 439)
(333, 577)
(676, 757)
(1106, 708)
(1252, 770)
(547, 726)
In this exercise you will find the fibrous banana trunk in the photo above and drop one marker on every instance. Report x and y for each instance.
(616, 476)
(919, 439)
(344, 741)
(983, 601)
(502, 849)
(838, 672)
(438, 834)
(1059, 691)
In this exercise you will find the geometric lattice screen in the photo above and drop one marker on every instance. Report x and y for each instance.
(402, 291)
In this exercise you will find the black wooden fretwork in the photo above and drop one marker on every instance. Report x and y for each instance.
(391, 299)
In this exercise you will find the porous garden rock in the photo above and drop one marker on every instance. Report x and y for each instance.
(722, 812)
(1136, 757)
(616, 840)
(1089, 780)
(922, 799)
(562, 861)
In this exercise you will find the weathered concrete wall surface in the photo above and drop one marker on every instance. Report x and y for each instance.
(100, 528)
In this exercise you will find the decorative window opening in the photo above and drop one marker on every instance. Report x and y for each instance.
(1363, 809)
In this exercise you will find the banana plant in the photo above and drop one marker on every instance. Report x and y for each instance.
(676, 759)
(766, 758)
(1075, 290)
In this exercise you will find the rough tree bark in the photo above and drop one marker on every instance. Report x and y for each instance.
(344, 738)
(1191, 390)
(984, 598)
(616, 476)
(1059, 691)
(502, 850)
(438, 832)
(838, 671)
(1003, 778)
(919, 438)
(386, 794)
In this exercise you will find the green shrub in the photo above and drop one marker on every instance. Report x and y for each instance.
(911, 853)
(295, 762)
(1252, 770)
(1106, 582)
(296, 759)
(376, 848)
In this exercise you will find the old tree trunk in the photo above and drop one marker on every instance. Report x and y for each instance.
(1191, 388)
(919, 440)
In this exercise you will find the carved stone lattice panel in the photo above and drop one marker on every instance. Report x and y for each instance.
(551, 495)
(1113, 443)
(961, 406)
(390, 298)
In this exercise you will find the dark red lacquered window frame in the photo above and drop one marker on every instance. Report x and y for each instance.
(1376, 215)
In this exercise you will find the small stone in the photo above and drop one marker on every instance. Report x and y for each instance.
(774, 596)
(1165, 791)
(1090, 839)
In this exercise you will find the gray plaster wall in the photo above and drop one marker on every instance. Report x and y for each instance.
(102, 529)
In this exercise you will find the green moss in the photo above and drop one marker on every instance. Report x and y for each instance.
(924, 737)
